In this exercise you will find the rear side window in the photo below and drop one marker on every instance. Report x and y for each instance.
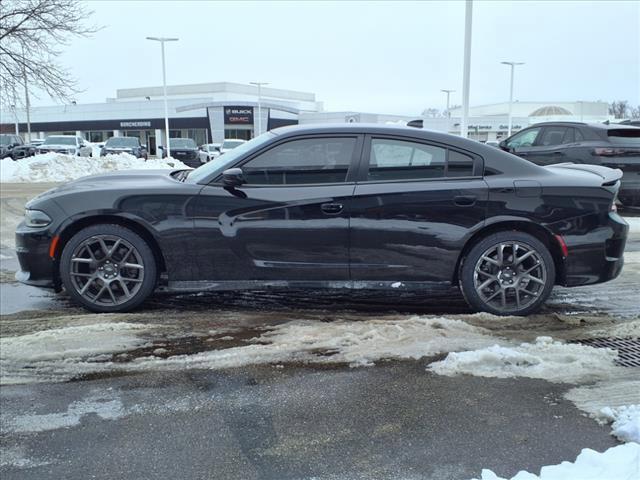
(306, 161)
(391, 160)
(400, 160)
(627, 136)
(579, 136)
(553, 136)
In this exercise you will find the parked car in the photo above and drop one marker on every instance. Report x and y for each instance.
(130, 145)
(183, 149)
(229, 144)
(331, 206)
(8, 143)
(66, 144)
(612, 145)
(208, 152)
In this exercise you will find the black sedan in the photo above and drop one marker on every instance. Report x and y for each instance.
(350, 206)
(185, 150)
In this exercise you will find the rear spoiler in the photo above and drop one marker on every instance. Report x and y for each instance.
(609, 175)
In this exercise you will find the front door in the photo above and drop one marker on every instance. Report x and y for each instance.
(289, 221)
(414, 207)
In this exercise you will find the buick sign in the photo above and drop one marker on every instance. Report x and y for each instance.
(242, 115)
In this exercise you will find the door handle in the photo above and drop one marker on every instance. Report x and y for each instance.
(464, 200)
(558, 152)
(332, 208)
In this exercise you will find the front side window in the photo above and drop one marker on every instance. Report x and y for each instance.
(401, 160)
(524, 139)
(306, 161)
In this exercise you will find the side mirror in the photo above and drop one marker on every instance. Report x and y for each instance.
(233, 177)
(218, 148)
(143, 146)
(503, 146)
(160, 147)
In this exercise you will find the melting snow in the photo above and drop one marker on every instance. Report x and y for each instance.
(55, 167)
(625, 422)
(546, 359)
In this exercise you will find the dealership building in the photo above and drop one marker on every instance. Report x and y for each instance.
(206, 112)
(211, 112)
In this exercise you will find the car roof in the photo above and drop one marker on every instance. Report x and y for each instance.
(383, 129)
(601, 126)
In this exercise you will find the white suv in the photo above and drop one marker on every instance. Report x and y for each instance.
(67, 144)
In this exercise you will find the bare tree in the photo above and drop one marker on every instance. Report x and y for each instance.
(619, 109)
(635, 112)
(32, 33)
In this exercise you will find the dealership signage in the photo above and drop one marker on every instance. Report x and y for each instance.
(238, 115)
(136, 124)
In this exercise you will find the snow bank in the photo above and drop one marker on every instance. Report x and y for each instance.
(61, 353)
(634, 224)
(617, 463)
(55, 167)
(625, 422)
(546, 359)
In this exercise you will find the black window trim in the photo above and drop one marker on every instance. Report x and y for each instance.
(363, 170)
(351, 172)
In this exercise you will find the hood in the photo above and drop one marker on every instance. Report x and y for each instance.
(121, 179)
(53, 146)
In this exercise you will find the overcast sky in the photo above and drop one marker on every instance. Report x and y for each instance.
(385, 57)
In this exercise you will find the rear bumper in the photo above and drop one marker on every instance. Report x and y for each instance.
(36, 267)
(596, 256)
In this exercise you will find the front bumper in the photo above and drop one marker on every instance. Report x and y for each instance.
(37, 268)
(597, 254)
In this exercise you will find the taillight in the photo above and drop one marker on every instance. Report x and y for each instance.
(609, 152)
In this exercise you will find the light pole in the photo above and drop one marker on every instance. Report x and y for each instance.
(259, 85)
(448, 92)
(162, 40)
(513, 66)
(466, 70)
(15, 114)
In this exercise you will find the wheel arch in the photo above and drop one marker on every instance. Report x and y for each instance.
(69, 230)
(525, 226)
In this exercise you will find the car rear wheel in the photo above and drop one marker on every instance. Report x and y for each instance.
(108, 268)
(507, 273)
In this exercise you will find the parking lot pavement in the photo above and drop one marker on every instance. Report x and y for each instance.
(393, 421)
(289, 384)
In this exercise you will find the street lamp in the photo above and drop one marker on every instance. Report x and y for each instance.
(259, 85)
(162, 40)
(448, 92)
(466, 68)
(513, 65)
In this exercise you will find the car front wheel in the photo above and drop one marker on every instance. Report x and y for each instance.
(108, 268)
(507, 273)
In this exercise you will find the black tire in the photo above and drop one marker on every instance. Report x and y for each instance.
(517, 287)
(127, 271)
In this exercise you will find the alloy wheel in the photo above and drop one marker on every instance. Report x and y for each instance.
(510, 276)
(106, 270)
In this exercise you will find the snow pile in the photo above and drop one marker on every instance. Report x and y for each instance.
(625, 422)
(546, 359)
(634, 225)
(62, 353)
(55, 167)
(355, 343)
(617, 463)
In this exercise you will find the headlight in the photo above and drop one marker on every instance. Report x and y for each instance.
(36, 218)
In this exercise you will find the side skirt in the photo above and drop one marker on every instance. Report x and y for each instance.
(207, 286)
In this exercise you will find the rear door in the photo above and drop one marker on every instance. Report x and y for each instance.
(414, 206)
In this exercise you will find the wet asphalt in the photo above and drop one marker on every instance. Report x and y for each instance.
(394, 420)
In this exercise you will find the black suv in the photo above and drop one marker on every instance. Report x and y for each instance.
(7, 143)
(613, 145)
(130, 145)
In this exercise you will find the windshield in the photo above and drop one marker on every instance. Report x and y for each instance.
(182, 143)
(7, 139)
(215, 168)
(60, 141)
(122, 142)
(230, 144)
